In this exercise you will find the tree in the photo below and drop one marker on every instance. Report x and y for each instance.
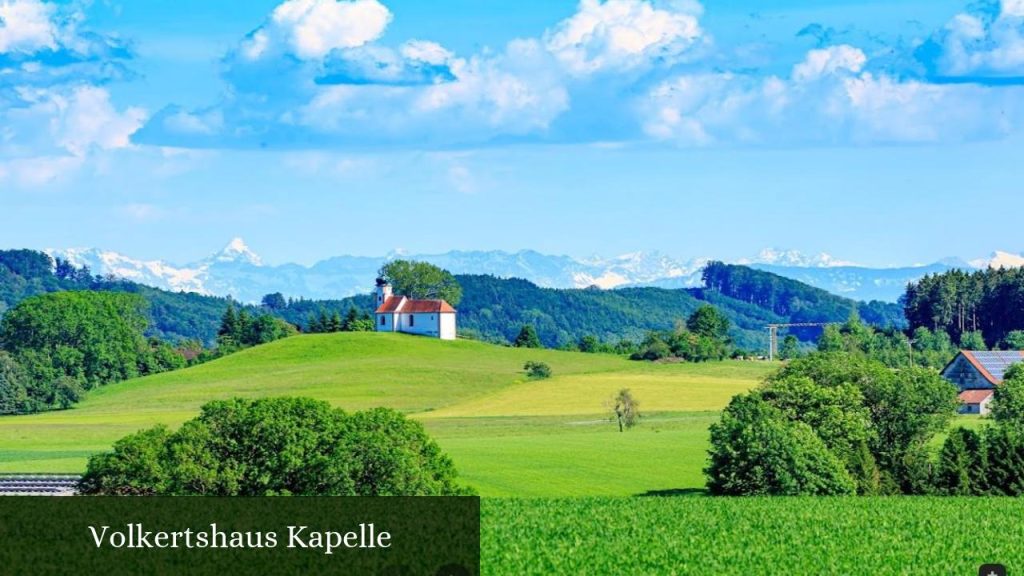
(13, 379)
(333, 323)
(962, 468)
(1008, 398)
(90, 338)
(135, 466)
(906, 409)
(1004, 450)
(626, 409)
(393, 456)
(275, 301)
(831, 340)
(972, 341)
(836, 414)
(527, 338)
(756, 450)
(790, 348)
(349, 324)
(589, 344)
(707, 321)
(230, 330)
(421, 280)
(537, 370)
(1014, 340)
(277, 446)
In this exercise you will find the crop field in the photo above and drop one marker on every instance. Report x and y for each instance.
(876, 536)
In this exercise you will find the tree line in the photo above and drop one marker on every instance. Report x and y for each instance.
(832, 423)
(976, 309)
(989, 462)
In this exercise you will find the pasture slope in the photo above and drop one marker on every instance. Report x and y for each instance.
(564, 492)
(508, 436)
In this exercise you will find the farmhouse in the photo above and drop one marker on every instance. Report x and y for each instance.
(977, 374)
(434, 318)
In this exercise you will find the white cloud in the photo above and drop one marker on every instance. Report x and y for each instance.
(87, 119)
(26, 26)
(827, 99)
(428, 52)
(311, 29)
(980, 47)
(39, 170)
(828, 61)
(623, 34)
(54, 116)
(315, 75)
(1013, 8)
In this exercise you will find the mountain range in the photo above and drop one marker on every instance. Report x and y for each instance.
(239, 272)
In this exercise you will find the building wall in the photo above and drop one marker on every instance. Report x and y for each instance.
(985, 407)
(424, 324)
(966, 377)
(388, 324)
(448, 331)
(970, 409)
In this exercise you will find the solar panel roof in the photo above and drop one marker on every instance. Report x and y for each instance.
(997, 362)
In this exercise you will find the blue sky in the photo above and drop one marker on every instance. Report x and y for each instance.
(882, 132)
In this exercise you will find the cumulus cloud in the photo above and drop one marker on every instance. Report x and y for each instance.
(985, 47)
(295, 89)
(41, 44)
(53, 111)
(317, 74)
(415, 63)
(828, 61)
(827, 98)
(311, 29)
(624, 34)
(26, 26)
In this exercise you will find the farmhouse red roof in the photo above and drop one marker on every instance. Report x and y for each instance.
(975, 396)
(404, 305)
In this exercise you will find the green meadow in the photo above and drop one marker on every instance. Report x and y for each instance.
(564, 491)
(508, 436)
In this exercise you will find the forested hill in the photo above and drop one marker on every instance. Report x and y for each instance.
(492, 308)
(495, 309)
(792, 299)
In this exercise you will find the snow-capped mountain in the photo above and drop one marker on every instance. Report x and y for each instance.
(795, 258)
(856, 282)
(999, 259)
(238, 271)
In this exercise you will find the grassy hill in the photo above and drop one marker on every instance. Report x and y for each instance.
(508, 436)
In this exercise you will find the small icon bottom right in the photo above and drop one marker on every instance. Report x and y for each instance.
(992, 570)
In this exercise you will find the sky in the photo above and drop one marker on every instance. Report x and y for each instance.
(884, 133)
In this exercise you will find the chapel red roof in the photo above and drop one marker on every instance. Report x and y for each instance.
(401, 304)
(391, 305)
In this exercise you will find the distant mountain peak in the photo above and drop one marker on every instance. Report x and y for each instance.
(999, 259)
(237, 251)
(780, 257)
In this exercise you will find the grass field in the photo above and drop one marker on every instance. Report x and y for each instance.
(871, 536)
(508, 436)
(565, 492)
